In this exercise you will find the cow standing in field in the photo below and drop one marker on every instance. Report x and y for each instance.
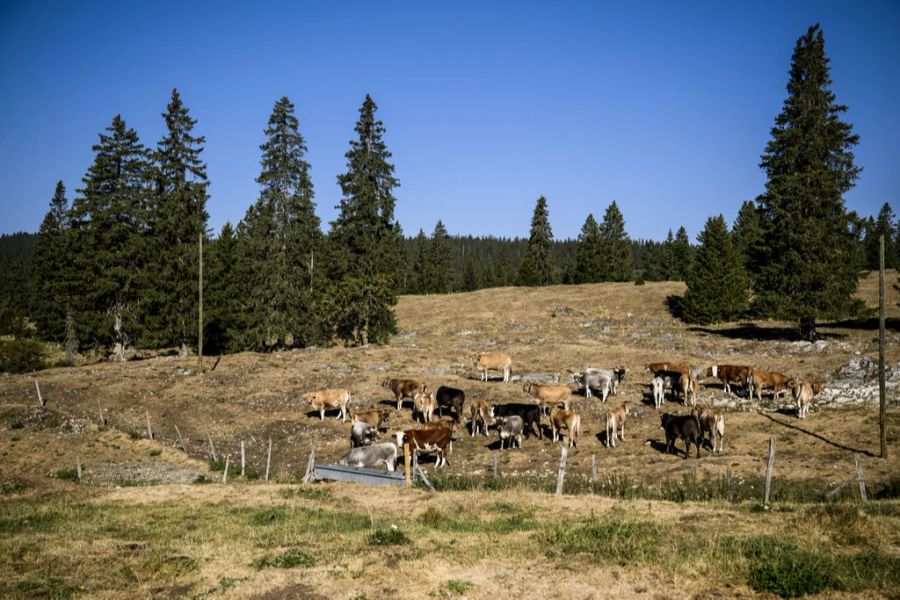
(424, 404)
(712, 422)
(404, 388)
(329, 398)
(479, 416)
(371, 456)
(451, 399)
(729, 374)
(529, 413)
(548, 396)
(604, 381)
(374, 418)
(686, 427)
(687, 386)
(496, 361)
(670, 366)
(361, 434)
(510, 430)
(427, 440)
(803, 394)
(658, 385)
(760, 379)
(560, 418)
(615, 424)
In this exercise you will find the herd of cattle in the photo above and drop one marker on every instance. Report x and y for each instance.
(515, 420)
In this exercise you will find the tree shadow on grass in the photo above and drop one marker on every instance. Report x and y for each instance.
(752, 331)
(817, 436)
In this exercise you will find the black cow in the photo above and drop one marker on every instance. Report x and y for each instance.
(530, 413)
(450, 398)
(686, 427)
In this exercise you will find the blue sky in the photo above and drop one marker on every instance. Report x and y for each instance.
(664, 107)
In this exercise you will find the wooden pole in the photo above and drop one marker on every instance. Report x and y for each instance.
(406, 463)
(495, 466)
(40, 398)
(882, 395)
(561, 476)
(225, 474)
(769, 466)
(212, 448)
(100, 411)
(593, 472)
(421, 473)
(180, 439)
(310, 466)
(268, 459)
(859, 478)
(200, 318)
(149, 428)
(78, 466)
(243, 458)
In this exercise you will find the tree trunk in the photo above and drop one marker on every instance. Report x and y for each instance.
(808, 328)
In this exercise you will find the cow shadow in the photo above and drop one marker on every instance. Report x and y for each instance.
(494, 445)
(657, 445)
(601, 437)
(392, 403)
(329, 413)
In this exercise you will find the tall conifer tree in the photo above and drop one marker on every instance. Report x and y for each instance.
(747, 234)
(223, 290)
(589, 255)
(807, 267)
(109, 224)
(442, 275)
(883, 225)
(178, 221)
(366, 240)
(682, 254)
(283, 241)
(538, 266)
(717, 282)
(616, 246)
(51, 268)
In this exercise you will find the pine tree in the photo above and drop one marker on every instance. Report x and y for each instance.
(366, 240)
(717, 282)
(808, 269)
(441, 261)
(616, 247)
(883, 225)
(223, 289)
(589, 266)
(282, 242)
(178, 221)
(668, 267)
(747, 235)
(682, 254)
(537, 266)
(51, 268)
(471, 278)
(109, 223)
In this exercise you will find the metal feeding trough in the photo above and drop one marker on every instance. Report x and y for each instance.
(359, 475)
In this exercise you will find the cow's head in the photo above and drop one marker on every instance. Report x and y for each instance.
(620, 373)
(310, 397)
(386, 382)
(713, 371)
(398, 438)
(385, 414)
(527, 388)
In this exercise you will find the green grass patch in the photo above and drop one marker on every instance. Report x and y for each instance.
(286, 560)
(392, 536)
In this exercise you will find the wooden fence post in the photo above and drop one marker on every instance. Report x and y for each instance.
(100, 411)
(149, 429)
(421, 472)
(78, 466)
(225, 473)
(560, 477)
(40, 398)
(769, 466)
(212, 448)
(243, 458)
(310, 466)
(859, 477)
(406, 462)
(268, 459)
(180, 439)
(593, 472)
(495, 466)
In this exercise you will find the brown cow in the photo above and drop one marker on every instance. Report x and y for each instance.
(424, 404)
(803, 394)
(546, 395)
(374, 417)
(562, 417)
(712, 422)
(480, 414)
(497, 361)
(329, 398)
(687, 386)
(615, 422)
(760, 379)
(403, 388)
(427, 440)
(677, 367)
(729, 374)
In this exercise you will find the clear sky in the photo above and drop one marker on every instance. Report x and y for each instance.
(664, 107)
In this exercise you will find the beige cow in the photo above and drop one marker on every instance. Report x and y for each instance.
(497, 361)
(329, 398)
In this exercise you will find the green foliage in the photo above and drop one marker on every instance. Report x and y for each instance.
(222, 286)
(615, 247)
(286, 560)
(589, 267)
(886, 224)
(50, 293)
(785, 570)
(441, 262)
(747, 234)
(67, 474)
(21, 356)
(358, 311)
(717, 282)
(807, 268)
(538, 266)
(16, 257)
(388, 537)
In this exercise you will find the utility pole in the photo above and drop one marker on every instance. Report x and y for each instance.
(200, 324)
(882, 396)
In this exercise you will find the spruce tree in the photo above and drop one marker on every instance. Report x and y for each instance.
(365, 239)
(51, 267)
(223, 290)
(717, 282)
(747, 234)
(616, 247)
(668, 268)
(537, 267)
(178, 221)
(441, 261)
(682, 254)
(471, 278)
(109, 222)
(883, 225)
(421, 277)
(589, 266)
(807, 267)
(282, 242)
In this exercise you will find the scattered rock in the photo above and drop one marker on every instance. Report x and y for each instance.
(406, 336)
(536, 378)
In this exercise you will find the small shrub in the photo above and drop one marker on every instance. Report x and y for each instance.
(67, 474)
(286, 560)
(217, 465)
(202, 479)
(457, 586)
(783, 569)
(21, 356)
(388, 537)
(155, 452)
(639, 281)
(890, 490)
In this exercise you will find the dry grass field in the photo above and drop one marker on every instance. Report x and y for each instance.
(145, 521)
